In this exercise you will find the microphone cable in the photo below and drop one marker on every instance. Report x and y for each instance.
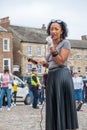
(41, 113)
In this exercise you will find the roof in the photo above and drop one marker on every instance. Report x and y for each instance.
(27, 34)
(2, 29)
(38, 35)
(79, 44)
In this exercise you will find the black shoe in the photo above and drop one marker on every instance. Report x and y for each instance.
(79, 107)
(36, 107)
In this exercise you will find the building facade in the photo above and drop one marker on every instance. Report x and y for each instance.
(6, 49)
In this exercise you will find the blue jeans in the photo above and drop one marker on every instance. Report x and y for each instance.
(3, 92)
(41, 95)
(78, 94)
(31, 96)
(34, 90)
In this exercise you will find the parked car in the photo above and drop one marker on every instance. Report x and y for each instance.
(22, 93)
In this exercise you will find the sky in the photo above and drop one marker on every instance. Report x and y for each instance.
(34, 13)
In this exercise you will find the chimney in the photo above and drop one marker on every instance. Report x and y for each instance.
(43, 27)
(84, 37)
(5, 22)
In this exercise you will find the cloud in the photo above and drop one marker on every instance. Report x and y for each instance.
(34, 13)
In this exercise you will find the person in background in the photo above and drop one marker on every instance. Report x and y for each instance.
(41, 93)
(85, 91)
(15, 88)
(34, 87)
(78, 88)
(61, 111)
(6, 87)
(29, 87)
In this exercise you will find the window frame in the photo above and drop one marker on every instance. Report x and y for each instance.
(79, 69)
(29, 68)
(39, 51)
(85, 57)
(39, 69)
(9, 63)
(6, 46)
(78, 56)
(29, 50)
(71, 56)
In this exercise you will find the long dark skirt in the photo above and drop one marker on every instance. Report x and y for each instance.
(61, 111)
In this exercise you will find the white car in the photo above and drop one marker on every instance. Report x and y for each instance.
(23, 92)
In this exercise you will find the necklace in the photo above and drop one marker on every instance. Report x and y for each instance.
(56, 44)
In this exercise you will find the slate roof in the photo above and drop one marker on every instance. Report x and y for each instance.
(79, 44)
(37, 35)
(27, 34)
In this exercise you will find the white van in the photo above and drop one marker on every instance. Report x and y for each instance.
(23, 92)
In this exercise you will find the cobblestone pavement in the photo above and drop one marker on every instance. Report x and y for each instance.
(24, 117)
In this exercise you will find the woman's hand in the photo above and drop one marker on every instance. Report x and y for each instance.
(42, 62)
(52, 49)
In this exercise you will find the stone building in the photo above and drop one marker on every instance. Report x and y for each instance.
(6, 49)
(31, 41)
(78, 56)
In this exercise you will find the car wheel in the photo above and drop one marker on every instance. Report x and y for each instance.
(27, 100)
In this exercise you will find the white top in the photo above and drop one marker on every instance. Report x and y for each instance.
(78, 82)
(15, 82)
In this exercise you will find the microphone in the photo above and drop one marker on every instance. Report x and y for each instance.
(50, 40)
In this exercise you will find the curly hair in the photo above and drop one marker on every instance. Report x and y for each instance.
(6, 69)
(63, 27)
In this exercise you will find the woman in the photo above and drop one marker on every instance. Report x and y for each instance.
(60, 101)
(6, 81)
(78, 90)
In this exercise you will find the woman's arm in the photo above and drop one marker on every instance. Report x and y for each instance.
(61, 57)
(44, 64)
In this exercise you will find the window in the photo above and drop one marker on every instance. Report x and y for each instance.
(6, 62)
(5, 44)
(39, 69)
(79, 69)
(29, 50)
(38, 51)
(78, 56)
(85, 57)
(71, 56)
(71, 69)
(86, 69)
(29, 68)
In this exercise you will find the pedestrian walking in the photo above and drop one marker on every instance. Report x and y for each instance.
(15, 89)
(78, 89)
(6, 87)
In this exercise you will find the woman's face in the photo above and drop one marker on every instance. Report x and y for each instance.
(56, 31)
(6, 71)
(75, 74)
